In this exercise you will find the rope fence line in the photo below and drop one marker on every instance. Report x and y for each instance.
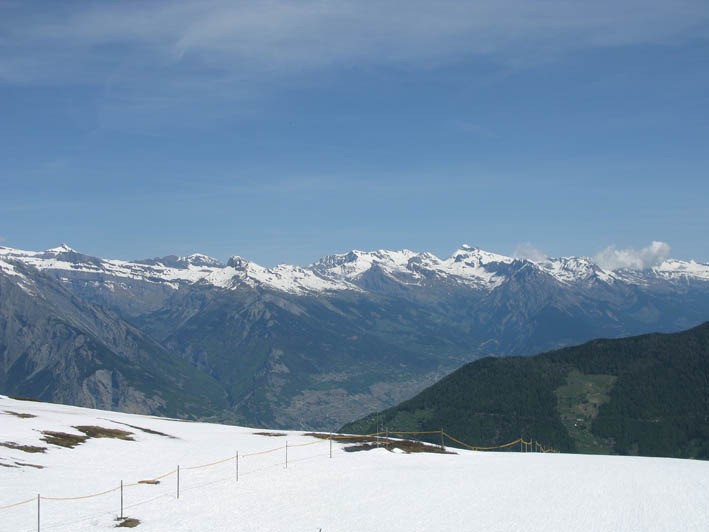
(81, 497)
(210, 464)
(33, 499)
(478, 448)
(535, 445)
(305, 444)
(263, 452)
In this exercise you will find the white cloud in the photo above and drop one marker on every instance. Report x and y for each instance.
(612, 258)
(528, 251)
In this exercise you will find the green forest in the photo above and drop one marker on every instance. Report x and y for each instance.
(645, 395)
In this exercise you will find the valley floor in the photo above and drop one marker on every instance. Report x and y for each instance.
(352, 491)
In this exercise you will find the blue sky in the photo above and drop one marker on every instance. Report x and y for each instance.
(284, 131)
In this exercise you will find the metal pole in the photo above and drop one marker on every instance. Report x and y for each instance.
(38, 512)
(178, 481)
(121, 515)
(443, 447)
(330, 445)
(286, 454)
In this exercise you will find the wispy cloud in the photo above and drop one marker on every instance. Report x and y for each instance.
(612, 258)
(530, 252)
(192, 45)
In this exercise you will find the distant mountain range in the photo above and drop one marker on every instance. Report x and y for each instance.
(646, 395)
(305, 347)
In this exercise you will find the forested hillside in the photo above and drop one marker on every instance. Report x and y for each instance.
(645, 395)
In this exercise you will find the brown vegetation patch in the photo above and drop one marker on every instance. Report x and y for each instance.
(70, 441)
(20, 398)
(127, 522)
(272, 434)
(152, 482)
(36, 466)
(7, 465)
(93, 431)
(63, 439)
(21, 415)
(25, 448)
(367, 443)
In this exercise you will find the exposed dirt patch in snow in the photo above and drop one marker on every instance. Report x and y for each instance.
(128, 522)
(36, 466)
(25, 448)
(21, 415)
(64, 439)
(367, 443)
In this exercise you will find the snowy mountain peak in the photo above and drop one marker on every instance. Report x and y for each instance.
(198, 259)
(478, 256)
(352, 265)
(62, 248)
(238, 263)
(574, 269)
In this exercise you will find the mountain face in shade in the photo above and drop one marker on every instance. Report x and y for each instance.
(55, 346)
(314, 346)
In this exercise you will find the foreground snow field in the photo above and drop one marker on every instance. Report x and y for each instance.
(352, 491)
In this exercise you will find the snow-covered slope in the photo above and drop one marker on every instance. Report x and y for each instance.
(677, 269)
(352, 491)
(467, 266)
(576, 270)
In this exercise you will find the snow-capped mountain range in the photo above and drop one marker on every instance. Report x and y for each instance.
(467, 266)
(313, 346)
